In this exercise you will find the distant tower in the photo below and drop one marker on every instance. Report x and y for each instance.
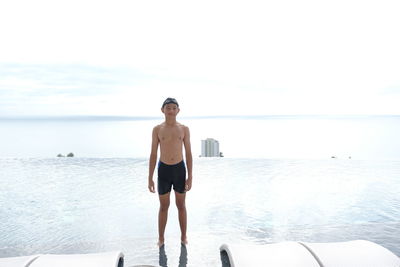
(210, 148)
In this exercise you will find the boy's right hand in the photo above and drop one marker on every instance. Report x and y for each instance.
(151, 186)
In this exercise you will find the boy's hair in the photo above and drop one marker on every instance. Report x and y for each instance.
(170, 100)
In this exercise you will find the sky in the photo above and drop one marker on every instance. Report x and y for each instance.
(124, 58)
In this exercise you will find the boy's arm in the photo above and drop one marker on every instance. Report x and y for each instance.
(153, 158)
(189, 158)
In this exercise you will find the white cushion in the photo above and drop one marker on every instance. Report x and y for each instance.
(358, 253)
(274, 255)
(107, 259)
(17, 261)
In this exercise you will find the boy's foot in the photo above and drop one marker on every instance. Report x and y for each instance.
(160, 243)
(184, 241)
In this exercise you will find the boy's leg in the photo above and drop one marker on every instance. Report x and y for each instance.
(180, 204)
(162, 217)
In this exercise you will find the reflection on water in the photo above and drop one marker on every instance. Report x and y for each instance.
(183, 257)
(163, 257)
(225, 259)
(163, 260)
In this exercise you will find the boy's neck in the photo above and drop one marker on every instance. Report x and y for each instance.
(170, 121)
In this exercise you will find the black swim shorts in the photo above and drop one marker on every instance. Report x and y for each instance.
(169, 175)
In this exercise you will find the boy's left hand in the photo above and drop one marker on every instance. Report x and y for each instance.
(188, 184)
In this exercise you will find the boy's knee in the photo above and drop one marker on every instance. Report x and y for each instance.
(164, 207)
(181, 206)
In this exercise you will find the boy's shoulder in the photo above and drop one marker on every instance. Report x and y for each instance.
(182, 126)
(157, 127)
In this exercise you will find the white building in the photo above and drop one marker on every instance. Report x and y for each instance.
(210, 148)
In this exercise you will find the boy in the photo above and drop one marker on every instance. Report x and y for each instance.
(171, 135)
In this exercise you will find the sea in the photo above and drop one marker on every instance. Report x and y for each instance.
(282, 178)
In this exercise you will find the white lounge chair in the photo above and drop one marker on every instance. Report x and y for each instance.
(107, 259)
(353, 253)
(278, 254)
(359, 253)
(24, 261)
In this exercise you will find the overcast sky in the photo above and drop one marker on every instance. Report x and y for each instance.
(215, 57)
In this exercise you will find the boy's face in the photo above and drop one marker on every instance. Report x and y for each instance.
(170, 110)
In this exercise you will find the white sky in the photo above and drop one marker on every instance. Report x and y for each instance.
(215, 57)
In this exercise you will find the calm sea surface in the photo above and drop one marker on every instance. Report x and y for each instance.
(285, 187)
(72, 205)
(294, 137)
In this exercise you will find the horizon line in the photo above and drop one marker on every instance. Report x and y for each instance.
(128, 118)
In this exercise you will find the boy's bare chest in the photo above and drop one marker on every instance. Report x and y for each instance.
(169, 135)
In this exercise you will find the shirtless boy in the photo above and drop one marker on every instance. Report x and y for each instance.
(171, 136)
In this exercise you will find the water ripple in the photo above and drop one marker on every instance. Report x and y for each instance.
(76, 205)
